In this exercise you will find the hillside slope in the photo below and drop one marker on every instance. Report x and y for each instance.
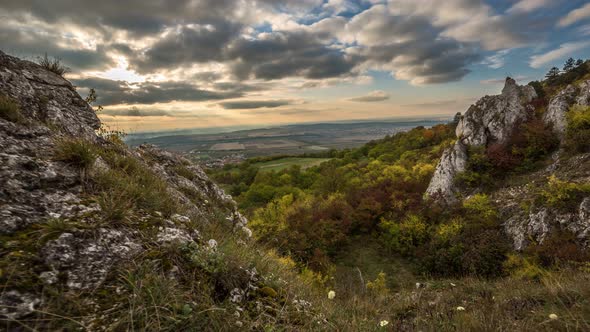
(493, 124)
(96, 236)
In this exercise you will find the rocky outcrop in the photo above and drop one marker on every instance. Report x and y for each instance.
(491, 119)
(561, 103)
(33, 186)
(452, 162)
(46, 97)
(50, 198)
(527, 220)
(558, 107)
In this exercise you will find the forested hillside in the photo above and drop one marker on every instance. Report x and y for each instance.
(365, 214)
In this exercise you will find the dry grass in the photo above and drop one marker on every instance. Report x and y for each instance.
(9, 109)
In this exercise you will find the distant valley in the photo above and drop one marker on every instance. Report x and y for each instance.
(295, 139)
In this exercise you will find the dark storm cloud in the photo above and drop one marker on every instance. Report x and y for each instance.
(287, 54)
(140, 17)
(119, 92)
(426, 61)
(194, 44)
(411, 41)
(253, 104)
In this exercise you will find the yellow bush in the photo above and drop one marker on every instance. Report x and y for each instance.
(447, 231)
(522, 268)
(379, 285)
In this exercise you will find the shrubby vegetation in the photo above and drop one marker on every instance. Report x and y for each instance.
(375, 192)
(578, 129)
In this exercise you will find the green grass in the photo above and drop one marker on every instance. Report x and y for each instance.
(76, 152)
(280, 164)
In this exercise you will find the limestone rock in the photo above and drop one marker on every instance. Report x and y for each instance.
(453, 161)
(493, 118)
(46, 97)
(37, 189)
(86, 259)
(558, 107)
(15, 305)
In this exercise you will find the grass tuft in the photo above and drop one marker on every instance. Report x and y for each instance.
(54, 65)
(9, 109)
(76, 152)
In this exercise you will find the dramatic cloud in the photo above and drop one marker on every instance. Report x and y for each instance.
(202, 56)
(374, 96)
(576, 15)
(538, 61)
(188, 45)
(252, 104)
(119, 92)
(287, 54)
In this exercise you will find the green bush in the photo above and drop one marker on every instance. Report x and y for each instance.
(563, 194)
(578, 129)
(480, 208)
(405, 236)
(478, 170)
(9, 109)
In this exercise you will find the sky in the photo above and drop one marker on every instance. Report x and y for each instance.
(167, 65)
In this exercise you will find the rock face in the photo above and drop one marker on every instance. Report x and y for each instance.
(46, 97)
(558, 107)
(452, 162)
(491, 119)
(525, 222)
(41, 194)
(34, 187)
(561, 103)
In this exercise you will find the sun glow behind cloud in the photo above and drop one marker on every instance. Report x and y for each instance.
(212, 63)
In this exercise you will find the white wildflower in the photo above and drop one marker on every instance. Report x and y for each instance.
(460, 308)
(331, 294)
(553, 316)
(383, 323)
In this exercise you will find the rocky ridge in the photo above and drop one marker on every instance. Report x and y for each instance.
(39, 192)
(492, 120)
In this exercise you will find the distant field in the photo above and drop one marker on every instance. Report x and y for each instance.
(279, 164)
(227, 146)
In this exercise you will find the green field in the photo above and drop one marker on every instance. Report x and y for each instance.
(279, 164)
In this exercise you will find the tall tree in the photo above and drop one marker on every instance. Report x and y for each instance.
(552, 74)
(569, 64)
(579, 62)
